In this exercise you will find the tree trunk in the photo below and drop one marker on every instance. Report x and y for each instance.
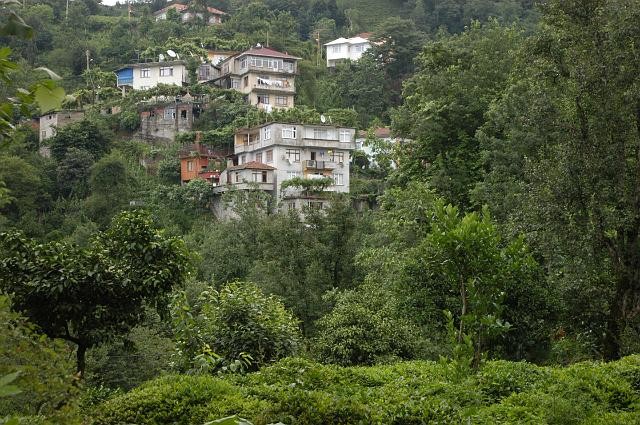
(463, 296)
(80, 359)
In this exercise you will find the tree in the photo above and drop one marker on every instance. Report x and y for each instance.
(458, 78)
(577, 192)
(86, 135)
(73, 172)
(238, 322)
(86, 296)
(435, 258)
(363, 328)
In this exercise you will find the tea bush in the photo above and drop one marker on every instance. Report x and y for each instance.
(301, 392)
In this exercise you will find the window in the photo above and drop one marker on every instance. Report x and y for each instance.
(292, 174)
(259, 157)
(345, 135)
(189, 165)
(225, 68)
(44, 134)
(281, 100)
(293, 155)
(266, 133)
(264, 177)
(237, 177)
(315, 205)
(183, 114)
(243, 63)
(320, 133)
(263, 98)
(288, 66)
(291, 205)
(289, 133)
(170, 113)
(243, 159)
(337, 157)
(358, 48)
(144, 87)
(335, 49)
(166, 72)
(245, 81)
(338, 179)
(145, 73)
(269, 156)
(235, 84)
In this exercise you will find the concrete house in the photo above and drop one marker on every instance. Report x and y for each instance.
(265, 76)
(144, 76)
(270, 154)
(347, 49)
(57, 119)
(162, 117)
(187, 14)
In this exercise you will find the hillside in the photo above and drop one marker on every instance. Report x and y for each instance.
(369, 13)
(296, 391)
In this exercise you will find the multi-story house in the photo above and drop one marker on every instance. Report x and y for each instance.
(143, 76)
(273, 153)
(265, 76)
(187, 14)
(347, 49)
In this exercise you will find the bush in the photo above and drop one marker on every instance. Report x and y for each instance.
(237, 323)
(297, 392)
(364, 328)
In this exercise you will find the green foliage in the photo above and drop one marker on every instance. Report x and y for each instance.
(238, 322)
(38, 369)
(86, 134)
(307, 185)
(87, 296)
(364, 327)
(300, 392)
(457, 79)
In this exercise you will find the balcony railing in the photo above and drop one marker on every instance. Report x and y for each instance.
(319, 165)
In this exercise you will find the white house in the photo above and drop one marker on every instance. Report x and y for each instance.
(273, 153)
(347, 48)
(143, 76)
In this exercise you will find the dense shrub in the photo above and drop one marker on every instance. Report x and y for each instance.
(236, 323)
(296, 392)
(364, 328)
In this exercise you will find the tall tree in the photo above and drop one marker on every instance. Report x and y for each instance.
(87, 296)
(571, 124)
(446, 100)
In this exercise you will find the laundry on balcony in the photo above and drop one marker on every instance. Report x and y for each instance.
(275, 83)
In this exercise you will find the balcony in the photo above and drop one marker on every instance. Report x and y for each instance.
(267, 187)
(319, 165)
(274, 85)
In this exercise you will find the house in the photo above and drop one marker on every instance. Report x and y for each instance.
(347, 49)
(144, 76)
(200, 162)
(48, 123)
(162, 117)
(383, 134)
(265, 76)
(188, 14)
(268, 155)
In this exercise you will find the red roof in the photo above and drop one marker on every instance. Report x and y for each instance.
(381, 133)
(252, 165)
(365, 35)
(265, 51)
(192, 150)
